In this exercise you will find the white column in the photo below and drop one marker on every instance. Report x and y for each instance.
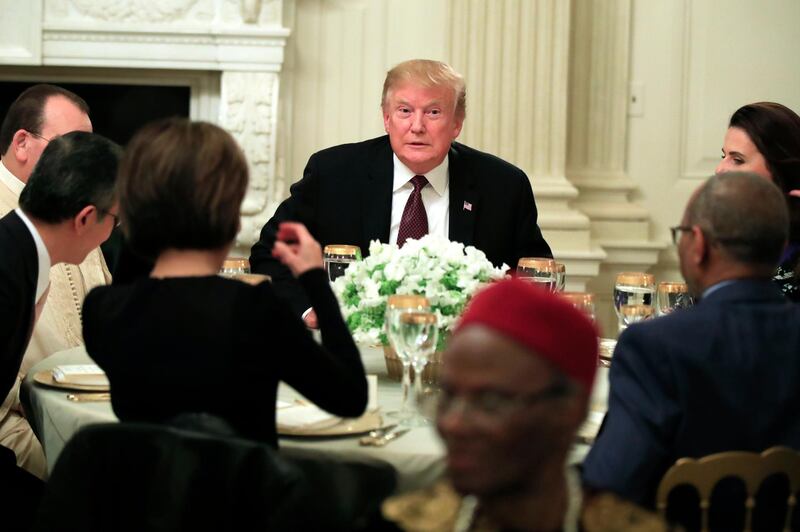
(514, 55)
(599, 99)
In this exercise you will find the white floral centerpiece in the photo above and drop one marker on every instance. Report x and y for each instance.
(446, 273)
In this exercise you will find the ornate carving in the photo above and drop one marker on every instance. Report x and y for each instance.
(151, 11)
(248, 111)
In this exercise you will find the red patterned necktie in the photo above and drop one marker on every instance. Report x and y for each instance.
(414, 223)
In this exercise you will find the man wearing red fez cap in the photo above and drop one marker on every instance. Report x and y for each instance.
(516, 380)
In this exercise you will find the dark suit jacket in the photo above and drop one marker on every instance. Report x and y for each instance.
(723, 375)
(19, 266)
(345, 197)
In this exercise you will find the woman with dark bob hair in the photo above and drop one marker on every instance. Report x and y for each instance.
(764, 138)
(185, 340)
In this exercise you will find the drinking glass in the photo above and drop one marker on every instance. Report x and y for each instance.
(583, 301)
(672, 296)
(337, 257)
(417, 332)
(561, 277)
(633, 297)
(396, 305)
(234, 266)
(541, 271)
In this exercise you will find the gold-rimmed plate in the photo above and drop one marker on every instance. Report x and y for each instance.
(344, 427)
(46, 378)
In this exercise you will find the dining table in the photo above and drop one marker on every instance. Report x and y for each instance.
(417, 455)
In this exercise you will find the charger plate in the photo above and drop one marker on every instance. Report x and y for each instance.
(344, 427)
(46, 378)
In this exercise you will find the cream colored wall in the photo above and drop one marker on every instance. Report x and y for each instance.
(609, 178)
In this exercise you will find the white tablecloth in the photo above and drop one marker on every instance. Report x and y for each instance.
(417, 456)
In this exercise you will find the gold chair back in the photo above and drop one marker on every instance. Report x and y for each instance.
(752, 468)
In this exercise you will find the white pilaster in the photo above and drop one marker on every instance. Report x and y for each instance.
(515, 56)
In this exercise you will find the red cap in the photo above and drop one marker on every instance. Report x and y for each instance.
(541, 321)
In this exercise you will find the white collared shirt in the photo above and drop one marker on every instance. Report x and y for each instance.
(436, 198)
(10, 180)
(43, 278)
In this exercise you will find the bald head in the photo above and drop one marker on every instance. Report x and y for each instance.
(744, 214)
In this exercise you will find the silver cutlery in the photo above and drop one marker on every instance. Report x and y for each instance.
(387, 437)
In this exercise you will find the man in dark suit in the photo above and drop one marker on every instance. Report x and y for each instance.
(722, 375)
(67, 208)
(414, 181)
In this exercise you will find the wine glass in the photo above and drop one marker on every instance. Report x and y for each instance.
(417, 334)
(633, 297)
(582, 301)
(234, 266)
(396, 305)
(541, 271)
(561, 276)
(672, 296)
(337, 257)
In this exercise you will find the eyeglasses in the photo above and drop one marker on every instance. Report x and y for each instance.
(38, 136)
(676, 232)
(117, 221)
(489, 407)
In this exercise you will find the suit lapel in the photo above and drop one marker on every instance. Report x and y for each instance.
(464, 200)
(377, 195)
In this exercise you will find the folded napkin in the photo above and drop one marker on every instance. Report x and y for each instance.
(304, 416)
(85, 374)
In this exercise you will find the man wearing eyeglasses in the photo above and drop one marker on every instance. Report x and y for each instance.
(66, 210)
(723, 375)
(40, 114)
(516, 379)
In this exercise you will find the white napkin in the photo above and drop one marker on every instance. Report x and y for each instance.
(86, 374)
(304, 416)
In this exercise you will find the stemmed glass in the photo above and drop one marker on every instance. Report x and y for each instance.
(561, 277)
(233, 266)
(417, 335)
(396, 305)
(672, 296)
(583, 301)
(633, 297)
(337, 257)
(542, 271)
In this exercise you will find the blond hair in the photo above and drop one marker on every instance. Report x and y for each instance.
(427, 73)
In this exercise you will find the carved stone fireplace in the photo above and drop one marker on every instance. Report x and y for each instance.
(228, 52)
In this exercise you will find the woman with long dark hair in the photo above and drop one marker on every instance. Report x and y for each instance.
(764, 138)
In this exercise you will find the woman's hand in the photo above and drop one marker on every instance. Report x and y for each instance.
(795, 193)
(296, 248)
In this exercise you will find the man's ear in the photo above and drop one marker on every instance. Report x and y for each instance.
(81, 221)
(700, 246)
(19, 146)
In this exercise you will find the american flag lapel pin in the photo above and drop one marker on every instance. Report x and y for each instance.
(468, 206)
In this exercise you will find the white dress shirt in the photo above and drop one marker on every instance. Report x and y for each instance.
(435, 197)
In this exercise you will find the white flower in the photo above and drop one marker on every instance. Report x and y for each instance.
(445, 272)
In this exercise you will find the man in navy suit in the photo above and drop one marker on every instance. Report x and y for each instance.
(67, 209)
(355, 193)
(722, 375)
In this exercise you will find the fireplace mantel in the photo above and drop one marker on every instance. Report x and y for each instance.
(237, 44)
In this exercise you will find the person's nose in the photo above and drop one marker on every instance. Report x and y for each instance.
(453, 420)
(721, 167)
(417, 122)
